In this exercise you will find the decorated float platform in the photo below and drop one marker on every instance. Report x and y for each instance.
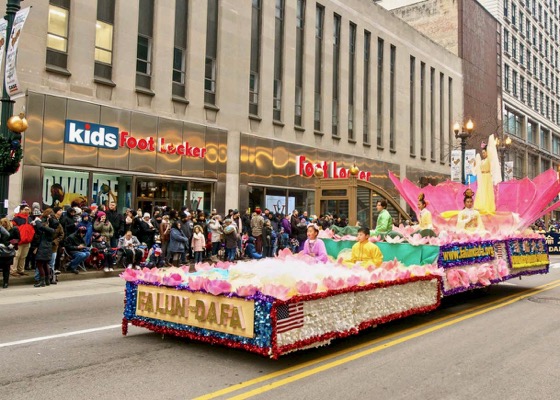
(279, 305)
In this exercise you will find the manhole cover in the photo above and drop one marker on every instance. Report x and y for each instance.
(547, 300)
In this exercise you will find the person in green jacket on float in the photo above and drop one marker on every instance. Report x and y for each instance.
(384, 220)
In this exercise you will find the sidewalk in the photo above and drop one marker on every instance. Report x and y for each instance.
(65, 276)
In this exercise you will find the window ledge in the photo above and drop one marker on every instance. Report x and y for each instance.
(336, 137)
(318, 133)
(412, 155)
(394, 151)
(353, 141)
(212, 107)
(433, 160)
(179, 99)
(277, 123)
(58, 70)
(146, 91)
(299, 128)
(366, 144)
(423, 158)
(255, 117)
(104, 81)
(380, 147)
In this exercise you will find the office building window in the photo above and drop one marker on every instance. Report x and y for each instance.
(104, 39)
(392, 97)
(506, 78)
(180, 48)
(422, 110)
(300, 26)
(366, 82)
(278, 60)
(545, 137)
(319, 23)
(506, 41)
(380, 44)
(514, 48)
(144, 46)
(529, 94)
(254, 75)
(432, 114)
(211, 60)
(57, 34)
(522, 89)
(336, 74)
(351, 83)
(514, 83)
(412, 106)
(522, 54)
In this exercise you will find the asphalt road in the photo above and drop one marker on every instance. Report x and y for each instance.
(65, 342)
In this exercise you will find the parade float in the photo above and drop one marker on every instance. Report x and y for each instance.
(278, 305)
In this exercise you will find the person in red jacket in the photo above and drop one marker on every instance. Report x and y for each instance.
(26, 233)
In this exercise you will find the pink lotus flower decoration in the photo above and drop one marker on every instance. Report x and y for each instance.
(306, 287)
(518, 202)
(246, 290)
(217, 286)
(197, 283)
(129, 275)
(395, 239)
(222, 265)
(333, 283)
(205, 266)
(172, 280)
(284, 253)
(389, 265)
(279, 292)
(149, 275)
(353, 280)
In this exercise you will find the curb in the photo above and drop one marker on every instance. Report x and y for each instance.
(65, 277)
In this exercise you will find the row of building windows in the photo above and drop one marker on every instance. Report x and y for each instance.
(513, 124)
(57, 53)
(536, 11)
(531, 95)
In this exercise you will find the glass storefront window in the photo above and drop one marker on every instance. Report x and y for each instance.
(112, 188)
(62, 187)
(200, 197)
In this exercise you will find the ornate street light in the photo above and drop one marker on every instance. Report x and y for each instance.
(463, 133)
(503, 146)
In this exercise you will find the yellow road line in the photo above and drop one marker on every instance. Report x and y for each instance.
(435, 325)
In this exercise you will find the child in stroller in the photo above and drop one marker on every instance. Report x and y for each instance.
(101, 254)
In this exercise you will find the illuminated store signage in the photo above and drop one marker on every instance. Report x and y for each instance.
(109, 137)
(330, 170)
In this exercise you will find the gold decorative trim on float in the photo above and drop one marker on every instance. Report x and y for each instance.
(221, 314)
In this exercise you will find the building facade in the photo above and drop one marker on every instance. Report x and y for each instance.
(529, 72)
(226, 104)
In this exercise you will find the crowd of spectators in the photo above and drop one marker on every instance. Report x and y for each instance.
(46, 241)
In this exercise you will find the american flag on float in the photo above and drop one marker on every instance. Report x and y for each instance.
(289, 316)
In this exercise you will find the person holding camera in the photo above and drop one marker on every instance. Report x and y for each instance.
(76, 246)
(130, 244)
(46, 229)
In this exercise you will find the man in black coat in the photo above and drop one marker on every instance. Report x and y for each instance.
(75, 245)
(67, 222)
(117, 221)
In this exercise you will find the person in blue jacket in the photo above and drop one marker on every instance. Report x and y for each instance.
(251, 250)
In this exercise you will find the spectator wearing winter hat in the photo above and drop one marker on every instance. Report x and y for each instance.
(68, 223)
(117, 221)
(230, 233)
(26, 232)
(76, 246)
(85, 220)
(156, 259)
(36, 209)
(146, 230)
(104, 227)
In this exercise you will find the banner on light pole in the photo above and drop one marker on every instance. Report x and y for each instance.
(3, 27)
(470, 155)
(508, 170)
(10, 75)
(456, 165)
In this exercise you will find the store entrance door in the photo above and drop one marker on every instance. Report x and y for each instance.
(147, 206)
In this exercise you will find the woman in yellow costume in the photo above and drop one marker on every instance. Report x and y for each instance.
(487, 170)
(468, 219)
(425, 216)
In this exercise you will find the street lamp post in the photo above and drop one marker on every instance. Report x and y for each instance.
(503, 146)
(12, 7)
(463, 134)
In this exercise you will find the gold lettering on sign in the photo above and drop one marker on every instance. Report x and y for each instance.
(222, 314)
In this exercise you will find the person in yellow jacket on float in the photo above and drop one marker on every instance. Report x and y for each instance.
(365, 253)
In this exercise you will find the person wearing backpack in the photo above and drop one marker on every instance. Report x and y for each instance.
(26, 233)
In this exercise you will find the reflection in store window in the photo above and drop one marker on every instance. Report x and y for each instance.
(112, 188)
